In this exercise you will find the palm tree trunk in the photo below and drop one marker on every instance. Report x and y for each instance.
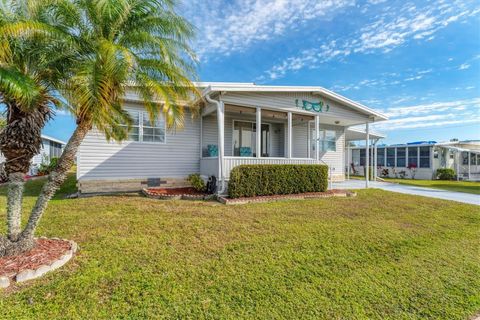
(55, 179)
(14, 205)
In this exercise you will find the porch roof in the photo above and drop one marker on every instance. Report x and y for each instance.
(251, 87)
(354, 134)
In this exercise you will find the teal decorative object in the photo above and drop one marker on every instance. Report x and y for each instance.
(312, 106)
(212, 150)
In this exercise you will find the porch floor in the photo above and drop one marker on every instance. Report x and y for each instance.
(419, 191)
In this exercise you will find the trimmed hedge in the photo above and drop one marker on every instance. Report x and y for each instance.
(445, 174)
(271, 179)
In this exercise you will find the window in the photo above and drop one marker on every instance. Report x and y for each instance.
(144, 130)
(425, 157)
(412, 157)
(473, 159)
(381, 157)
(328, 140)
(153, 132)
(464, 156)
(362, 157)
(390, 157)
(401, 153)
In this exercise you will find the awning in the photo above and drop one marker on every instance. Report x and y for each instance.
(352, 134)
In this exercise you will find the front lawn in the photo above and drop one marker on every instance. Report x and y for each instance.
(379, 255)
(458, 186)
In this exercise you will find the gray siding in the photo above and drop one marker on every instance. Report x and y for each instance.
(335, 159)
(286, 102)
(178, 157)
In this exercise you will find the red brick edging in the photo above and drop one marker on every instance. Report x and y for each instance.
(311, 195)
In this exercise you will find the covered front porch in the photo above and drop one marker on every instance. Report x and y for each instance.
(250, 124)
(230, 138)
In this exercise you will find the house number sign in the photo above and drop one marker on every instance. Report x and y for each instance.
(312, 106)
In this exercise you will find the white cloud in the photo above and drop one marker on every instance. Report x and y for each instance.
(390, 29)
(432, 107)
(233, 26)
(432, 115)
(464, 66)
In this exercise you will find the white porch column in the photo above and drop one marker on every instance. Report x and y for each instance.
(375, 160)
(469, 165)
(259, 133)
(201, 136)
(317, 137)
(221, 141)
(458, 165)
(349, 152)
(367, 155)
(289, 139)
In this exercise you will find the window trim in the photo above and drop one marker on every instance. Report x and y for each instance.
(141, 114)
(322, 139)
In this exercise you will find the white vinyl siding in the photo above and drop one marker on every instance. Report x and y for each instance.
(177, 158)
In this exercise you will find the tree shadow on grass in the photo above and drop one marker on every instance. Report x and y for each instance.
(33, 187)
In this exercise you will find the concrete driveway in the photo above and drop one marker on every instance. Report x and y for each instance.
(419, 191)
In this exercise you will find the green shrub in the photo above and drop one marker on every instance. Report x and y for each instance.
(445, 174)
(271, 179)
(47, 167)
(197, 182)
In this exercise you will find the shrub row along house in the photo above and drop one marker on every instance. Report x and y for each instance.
(50, 148)
(239, 123)
(419, 160)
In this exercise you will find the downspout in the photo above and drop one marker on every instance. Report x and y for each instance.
(219, 104)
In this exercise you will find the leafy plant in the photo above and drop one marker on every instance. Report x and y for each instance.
(412, 167)
(47, 166)
(445, 174)
(197, 182)
(263, 180)
(385, 172)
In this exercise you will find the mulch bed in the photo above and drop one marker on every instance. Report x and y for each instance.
(187, 193)
(172, 191)
(308, 195)
(45, 253)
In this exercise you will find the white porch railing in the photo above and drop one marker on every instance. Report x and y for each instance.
(209, 166)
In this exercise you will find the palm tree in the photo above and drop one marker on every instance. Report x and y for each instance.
(142, 44)
(30, 68)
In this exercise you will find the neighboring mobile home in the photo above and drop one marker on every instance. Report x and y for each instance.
(50, 148)
(420, 160)
(298, 125)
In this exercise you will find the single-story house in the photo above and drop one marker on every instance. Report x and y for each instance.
(50, 148)
(419, 160)
(239, 123)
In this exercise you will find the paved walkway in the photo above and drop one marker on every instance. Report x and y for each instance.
(420, 191)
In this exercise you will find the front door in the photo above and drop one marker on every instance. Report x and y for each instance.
(244, 139)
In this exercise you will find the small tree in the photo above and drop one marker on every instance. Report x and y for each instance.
(113, 45)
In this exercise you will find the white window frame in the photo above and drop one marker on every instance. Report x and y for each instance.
(322, 135)
(141, 115)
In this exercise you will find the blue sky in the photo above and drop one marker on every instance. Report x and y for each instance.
(418, 62)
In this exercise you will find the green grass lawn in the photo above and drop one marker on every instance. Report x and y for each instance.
(459, 186)
(378, 255)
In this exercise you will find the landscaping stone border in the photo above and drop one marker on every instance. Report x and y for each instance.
(29, 274)
(301, 196)
(178, 196)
